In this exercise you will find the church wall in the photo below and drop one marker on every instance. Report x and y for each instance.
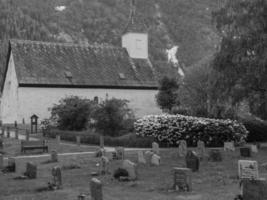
(9, 99)
(38, 100)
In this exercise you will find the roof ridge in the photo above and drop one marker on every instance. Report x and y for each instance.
(66, 44)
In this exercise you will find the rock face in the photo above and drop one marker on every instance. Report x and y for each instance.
(131, 168)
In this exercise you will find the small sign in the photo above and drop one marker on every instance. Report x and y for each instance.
(248, 169)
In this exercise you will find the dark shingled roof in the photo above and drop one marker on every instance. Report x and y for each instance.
(69, 65)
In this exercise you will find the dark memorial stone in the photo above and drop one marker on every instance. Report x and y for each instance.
(31, 170)
(254, 190)
(182, 179)
(245, 152)
(192, 161)
(215, 155)
(11, 165)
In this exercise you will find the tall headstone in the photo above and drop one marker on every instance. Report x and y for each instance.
(215, 155)
(104, 165)
(148, 156)
(254, 189)
(201, 150)
(254, 148)
(78, 140)
(57, 177)
(131, 168)
(58, 139)
(182, 179)
(248, 169)
(1, 144)
(182, 148)
(155, 160)
(119, 153)
(27, 135)
(155, 148)
(8, 132)
(245, 152)
(16, 133)
(3, 131)
(192, 161)
(1, 161)
(54, 157)
(31, 170)
(96, 189)
(141, 158)
(11, 164)
(229, 146)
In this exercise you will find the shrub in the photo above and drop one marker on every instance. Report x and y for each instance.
(171, 128)
(72, 113)
(113, 116)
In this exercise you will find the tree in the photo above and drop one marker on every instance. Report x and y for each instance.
(167, 94)
(240, 65)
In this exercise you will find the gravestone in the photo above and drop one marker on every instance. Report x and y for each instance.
(119, 153)
(3, 131)
(57, 178)
(1, 144)
(16, 133)
(58, 139)
(182, 179)
(31, 170)
(141, 158)
(155, 148)
(11, 165)
(148, 156)
(229, 146)
(215, 155)
(131, 168)
(81, 197)
(104, 165)
(1, 161)
(254, 189)
(192, 161)
(248, 169)
(96, 189)
(27, 135)
(182, 148)
(100, 152)
(201, 149)
(78, 140)
(54, 157)
(155, 160)
(245, 152)
(254, 148)
(8, 132)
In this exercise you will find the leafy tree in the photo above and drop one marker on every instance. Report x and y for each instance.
(72, 113)
(167, 94)
(112, 116)
(240, 65)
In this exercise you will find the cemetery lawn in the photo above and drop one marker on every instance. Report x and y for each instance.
(215, 180)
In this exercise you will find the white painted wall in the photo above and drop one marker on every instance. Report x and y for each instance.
(9, 100)
(38, 100)
(136, 44)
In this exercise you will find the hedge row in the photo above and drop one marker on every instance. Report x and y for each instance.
(87, 137)
(172, 128)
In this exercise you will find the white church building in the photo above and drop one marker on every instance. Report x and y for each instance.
(39, 74)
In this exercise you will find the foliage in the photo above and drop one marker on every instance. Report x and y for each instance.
(167, 94)
(239, 67)
(113, 116)
(257, 130)
(172, 128)
(72, 113)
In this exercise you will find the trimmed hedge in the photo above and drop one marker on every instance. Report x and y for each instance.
(171, 128)
(257, 130)
(89, 137)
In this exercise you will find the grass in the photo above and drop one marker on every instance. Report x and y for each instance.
(215, 180)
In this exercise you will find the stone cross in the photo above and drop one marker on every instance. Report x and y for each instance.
(215, 155)
(54, 157)
(96, 189)
(104, 165)
(201, 149)
(254, 148)
(148, 156)
(57, 178)
(248, 169)
(31, 170)
(11, 164)
(192, 161)
(182, 179)
(245, 152)
(155, 148)
(131, 168)
(155, 160)
(1, 161)
(141, 158)
(182, 148)
(78, 140)
(229, 146)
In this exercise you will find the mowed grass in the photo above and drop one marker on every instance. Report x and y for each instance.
(215, 180)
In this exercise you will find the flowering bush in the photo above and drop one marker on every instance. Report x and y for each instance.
(171, 128)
